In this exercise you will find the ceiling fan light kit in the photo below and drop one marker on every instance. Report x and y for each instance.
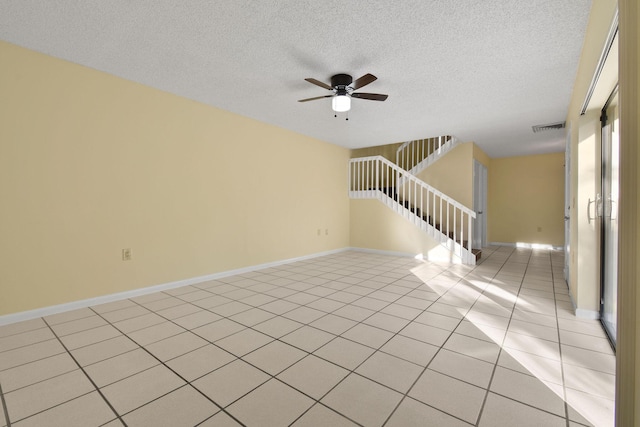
(341, 103)
(343, 88)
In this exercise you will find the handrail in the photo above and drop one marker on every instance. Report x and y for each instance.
(446, 219)
(412, 153)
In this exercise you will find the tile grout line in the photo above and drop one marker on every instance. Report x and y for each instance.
(189, 382)
(362, 322)
(274, 377)
(523, 403)
(353, 371)
(495, 366)
(32, 361)
(4, 407)
(354, 273)
(564, 383)
(85, 373)
(20, 333)
(406, 394)
(222, 317)
(169, 368)
(296, 291)
(350, 371)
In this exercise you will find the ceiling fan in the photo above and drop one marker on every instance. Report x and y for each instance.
(343, 87)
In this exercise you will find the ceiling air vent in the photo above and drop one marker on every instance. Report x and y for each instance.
(550, 126)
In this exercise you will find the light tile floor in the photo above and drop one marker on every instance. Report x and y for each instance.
(342, 340)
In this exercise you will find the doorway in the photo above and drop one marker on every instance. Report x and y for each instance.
(479, 204)
(609, 214)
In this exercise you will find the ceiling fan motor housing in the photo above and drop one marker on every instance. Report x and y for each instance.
(341, 81)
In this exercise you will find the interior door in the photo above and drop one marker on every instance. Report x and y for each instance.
(610, 195)
(479, 204)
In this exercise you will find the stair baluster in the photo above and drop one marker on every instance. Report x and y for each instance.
(423, 205)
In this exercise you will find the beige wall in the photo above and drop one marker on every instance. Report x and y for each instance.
(481, 156)
(387, 151)
(453, 174)
(91, 164)
(375, 226)
(526, 199)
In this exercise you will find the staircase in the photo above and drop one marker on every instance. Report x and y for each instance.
(416, 155)
(441, 217)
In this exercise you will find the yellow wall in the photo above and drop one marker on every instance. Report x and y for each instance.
(375, 226)
(453, 174)
(387, 151)
(91, 164)
(526, 199)
(481, 156)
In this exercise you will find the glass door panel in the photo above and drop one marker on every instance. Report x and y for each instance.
(610, 194)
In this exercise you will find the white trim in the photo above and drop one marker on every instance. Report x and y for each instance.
(435, 156)
(527, 245)
(449, 259)
(74, 305)
(613, 31)
(381, 252)
(581, 313)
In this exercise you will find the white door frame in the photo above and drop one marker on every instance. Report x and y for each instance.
(567, 207)
(479, 204)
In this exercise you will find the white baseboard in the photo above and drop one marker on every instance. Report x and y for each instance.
(526, 245)
(381, 252)
(581, 313)
(74, 305)
(448, 259)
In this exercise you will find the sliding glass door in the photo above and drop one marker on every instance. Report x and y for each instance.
(609, 209)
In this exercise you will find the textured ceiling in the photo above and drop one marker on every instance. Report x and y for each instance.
(483, 70)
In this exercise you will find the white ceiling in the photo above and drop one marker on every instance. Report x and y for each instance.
(482, 70)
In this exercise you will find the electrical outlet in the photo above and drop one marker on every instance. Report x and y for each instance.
(126, 254)
(319, 231)
(326, 231)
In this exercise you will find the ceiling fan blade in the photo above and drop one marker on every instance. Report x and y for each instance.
(319, 83)
(317, 97)
(363, 81)
(370, 96)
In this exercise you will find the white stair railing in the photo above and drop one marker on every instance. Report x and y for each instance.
(443, 218)
(414, 156)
